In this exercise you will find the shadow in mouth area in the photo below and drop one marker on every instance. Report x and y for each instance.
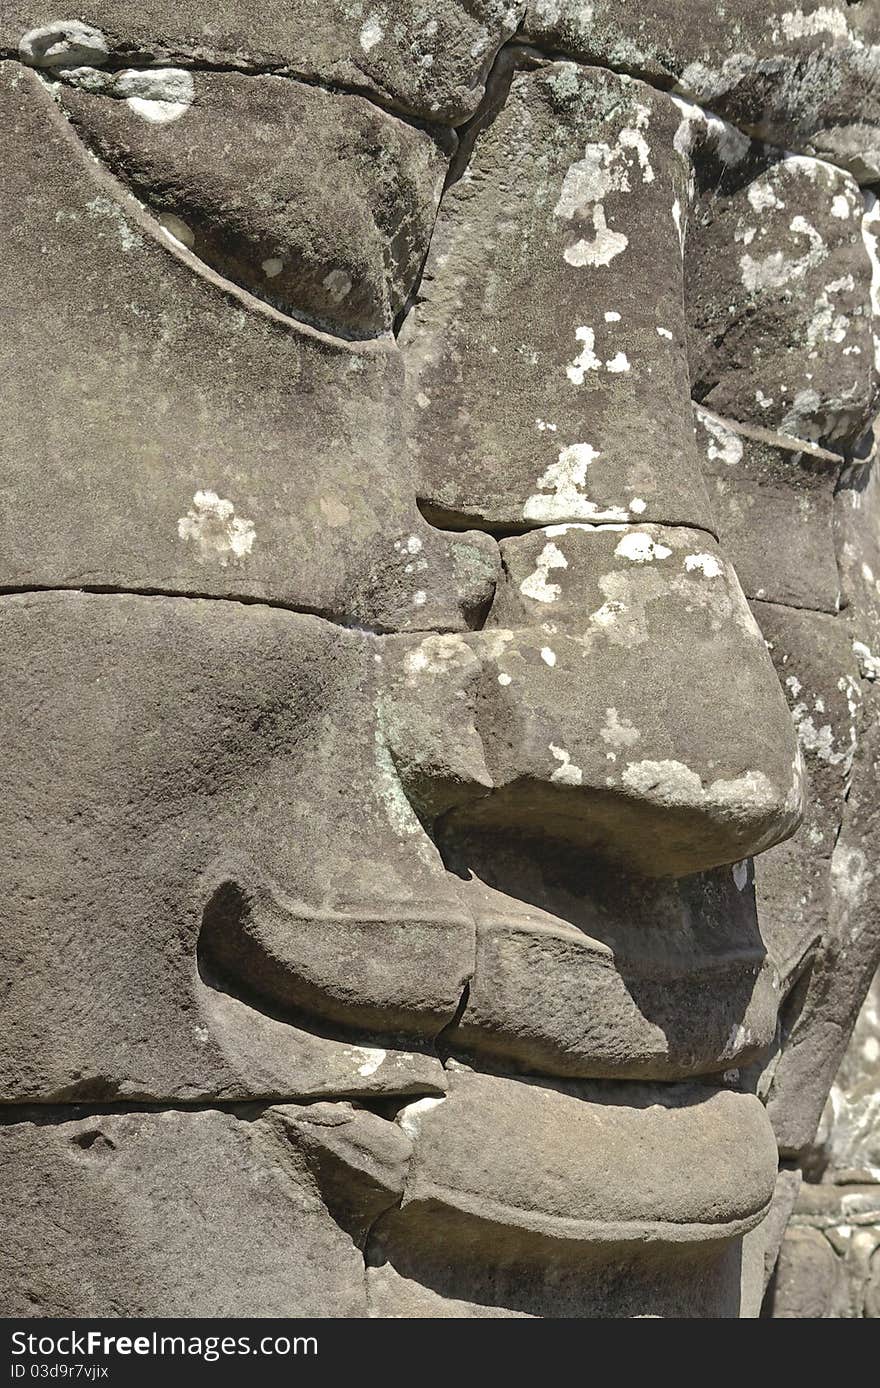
(428, 1260)
(584, 970)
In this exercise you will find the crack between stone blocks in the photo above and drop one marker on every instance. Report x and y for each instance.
(467, 134)
(53, 1112)
(386, 102)
(137, 62)
(244, 600)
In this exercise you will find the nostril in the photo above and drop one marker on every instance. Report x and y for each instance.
(455, 519)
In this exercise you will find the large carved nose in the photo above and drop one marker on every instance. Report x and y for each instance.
(620, 698)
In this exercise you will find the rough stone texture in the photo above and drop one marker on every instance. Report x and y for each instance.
(778, 288)
(210, 469)
(388, 731)
(852, 1144)
(568, 1198)
(573, 197)
(803, 76)
(428, 59)
(642, 608)
(829, 1265)
(766, 488)
(173, 845)
(208, 1213)
(319, 203)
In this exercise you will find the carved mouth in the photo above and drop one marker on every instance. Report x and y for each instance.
(624, 1191)
(540, 963)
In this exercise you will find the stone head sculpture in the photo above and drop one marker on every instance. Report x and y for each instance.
(440, 554)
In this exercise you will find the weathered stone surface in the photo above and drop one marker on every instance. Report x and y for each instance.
(761, 1245)
(312, 800)
(773, 495)
(431, 59)
(320, 203)
(809, 1284)
(175, 1213)
(819, 1023)
(813, 656)
(839, 911)
(857, 531)
(173, 758)
(653, 614)
(804, 77)
(778, 289)
(829, 1266)
(589, 972)
(573, 198)
(182, 451)
(852, 1149)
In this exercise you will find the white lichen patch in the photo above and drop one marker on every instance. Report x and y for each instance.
(724, 445)
(704, 563)
(586, 360)
(819, 739)
(618, 363)
(536, 585)
(63, 43)
(618, 732)
(371, 32)
(338, 284)
(775, 270)
(741, 875)
(762, 196)
(849, 873)
(641, 548)
(673, 784)
(794, 24)
(565, 481)
(871, 239)
(548, 656)
(373, 1057)
(272, 266)
(411, 1117)
(212, 526)
(566, 774)
(869, 664)
(604, 169)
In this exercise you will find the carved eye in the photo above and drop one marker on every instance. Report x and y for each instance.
(320, 203)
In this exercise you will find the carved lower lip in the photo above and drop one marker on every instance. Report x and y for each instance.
(591, 1164)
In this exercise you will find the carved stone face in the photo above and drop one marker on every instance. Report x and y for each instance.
(389, 647)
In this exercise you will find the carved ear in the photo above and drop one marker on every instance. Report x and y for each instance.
(320, 203)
